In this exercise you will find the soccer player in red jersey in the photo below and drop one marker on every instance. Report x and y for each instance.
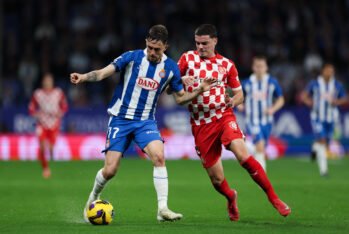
(213, 121)
(47, 105)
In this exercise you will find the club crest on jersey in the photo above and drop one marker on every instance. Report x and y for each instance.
(222, 70)
(147, 83)
(162, 73)
(233, 125)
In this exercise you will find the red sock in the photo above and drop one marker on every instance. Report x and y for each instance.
(258, 175)
(42, 159)
(224, 189)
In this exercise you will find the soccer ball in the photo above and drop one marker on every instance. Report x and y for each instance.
(100, 212)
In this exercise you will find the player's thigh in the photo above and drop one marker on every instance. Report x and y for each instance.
(216, 172)
(119, 135)
(319, 130)
(207, 143)
(255, 132)
(238, 147)
(52, 136)
(147, 132)
(329, 131)
(155, 151)
(112, 161)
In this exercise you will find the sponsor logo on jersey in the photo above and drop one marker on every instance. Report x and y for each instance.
(162, 73)
(259, 95)
(147, 83)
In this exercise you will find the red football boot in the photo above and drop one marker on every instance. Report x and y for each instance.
(232, 206)
(281, 207)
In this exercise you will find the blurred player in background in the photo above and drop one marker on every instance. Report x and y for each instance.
(47, 105)
(263, 97)
(144, 76)
(212, 119)
(323, 96)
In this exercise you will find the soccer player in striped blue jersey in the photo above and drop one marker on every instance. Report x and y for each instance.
(144, 76)
(323, 96)
(263, 97)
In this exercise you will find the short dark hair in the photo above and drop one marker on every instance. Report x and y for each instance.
(206, 29)
(260, 57)
(158, 33)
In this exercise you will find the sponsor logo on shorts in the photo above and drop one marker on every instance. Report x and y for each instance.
(107, 143)
(152, 132)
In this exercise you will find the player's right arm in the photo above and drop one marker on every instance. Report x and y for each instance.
(93, 76)
(306, 95)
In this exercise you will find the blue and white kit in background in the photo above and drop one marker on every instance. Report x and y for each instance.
(133, 105)
(323, 114)
(259, 95)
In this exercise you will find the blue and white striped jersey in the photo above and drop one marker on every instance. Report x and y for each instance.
(259, 95)
(141, 83)
(323, 93)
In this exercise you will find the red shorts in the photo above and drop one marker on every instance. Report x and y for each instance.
(47, 134)
(210, 137)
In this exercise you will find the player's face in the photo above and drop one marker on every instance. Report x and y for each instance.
(155, 50)
(205, 45)
(259, 67)
(328, 72)
(47, 82)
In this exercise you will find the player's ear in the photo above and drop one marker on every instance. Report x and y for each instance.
(215, 40)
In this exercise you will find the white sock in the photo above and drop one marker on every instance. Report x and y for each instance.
(321, 157)
(99, 184)
(260, 157)
(161, 186)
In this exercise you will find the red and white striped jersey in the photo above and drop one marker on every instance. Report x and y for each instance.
(210, 105)
(49, 107)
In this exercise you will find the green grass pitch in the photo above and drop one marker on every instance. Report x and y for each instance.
(30, 204)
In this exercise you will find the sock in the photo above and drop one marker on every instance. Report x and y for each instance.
(260, 157)
(42, 158)
(224, 189)
(322, 158)
(161, 186)
(99, 184)
(258, 175)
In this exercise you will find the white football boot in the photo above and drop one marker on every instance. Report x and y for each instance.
(168, 215)
(91, 198)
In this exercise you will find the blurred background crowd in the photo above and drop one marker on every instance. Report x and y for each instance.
(60, 37)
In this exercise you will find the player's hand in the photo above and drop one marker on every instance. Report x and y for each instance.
(76, 78)
(229, 101)
(241, 107)
(207, 83)
(334, 102)
(269, 111)
(168, 90)
(188, 80)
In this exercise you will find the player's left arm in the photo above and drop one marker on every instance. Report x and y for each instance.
(182, 97)
(278, 104)
(279, 101)
(234, 83)
(63, 104)
(342, 96)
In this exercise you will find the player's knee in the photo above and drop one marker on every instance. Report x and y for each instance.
(109, 172)
(159, 160)
(216, 180)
